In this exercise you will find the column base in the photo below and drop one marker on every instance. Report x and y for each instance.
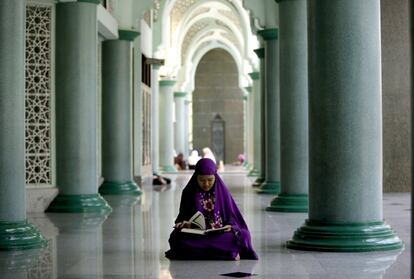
(269, 187)
(289, 203)
(119, 188)
(20, 236)
(93, 203)
(259, 181)
(254, 172)
(344, 237)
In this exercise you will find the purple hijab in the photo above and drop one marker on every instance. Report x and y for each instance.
(224, 204)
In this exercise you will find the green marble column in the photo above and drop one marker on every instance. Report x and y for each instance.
(76, 105)
(294, 130)
(412, 126)
(15, 232)
(187, 104)
(245, 99)
(155, 140)
(261, 116)
(250, 110)
(179, 139)
(345, 139)
(271, 185)
(255, 124)
(246, 119)
(117, 116)
(166, 124)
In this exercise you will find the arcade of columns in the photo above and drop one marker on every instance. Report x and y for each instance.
(317, 136)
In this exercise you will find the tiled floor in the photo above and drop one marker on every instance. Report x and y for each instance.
(131, 241)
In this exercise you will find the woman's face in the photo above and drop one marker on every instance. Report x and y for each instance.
(206, 182)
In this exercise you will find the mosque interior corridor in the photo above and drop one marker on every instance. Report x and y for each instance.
(130, 242)
(304, 106)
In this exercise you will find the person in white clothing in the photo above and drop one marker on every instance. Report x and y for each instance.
(193, 159)
(207, 153)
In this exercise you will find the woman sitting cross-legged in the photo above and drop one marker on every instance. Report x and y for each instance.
(206, 193)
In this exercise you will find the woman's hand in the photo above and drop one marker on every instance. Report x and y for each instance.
(184, 224)
(227, 228)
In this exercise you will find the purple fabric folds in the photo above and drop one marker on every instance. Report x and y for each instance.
(223, 246)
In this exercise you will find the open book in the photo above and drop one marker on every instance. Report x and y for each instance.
(199, 222)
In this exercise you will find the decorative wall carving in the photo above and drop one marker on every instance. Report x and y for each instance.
(191, 33)
(38, 94)
(231, 16)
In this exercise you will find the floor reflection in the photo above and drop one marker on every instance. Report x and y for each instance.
(78, 244)
(131, 241)
(21, 264)
(118, 236)
(358, 265)
(209, 269)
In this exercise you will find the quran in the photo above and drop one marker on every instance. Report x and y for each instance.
(198, 221)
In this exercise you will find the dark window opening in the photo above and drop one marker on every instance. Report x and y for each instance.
(145, 71)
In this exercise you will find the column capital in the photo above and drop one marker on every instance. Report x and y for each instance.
(255, 75)
(244, 97)
(269, 34)
(127, 35)
(178, 94)
(155, 66)
(167, 82)
(260, 52)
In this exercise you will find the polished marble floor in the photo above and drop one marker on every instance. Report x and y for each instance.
(130, 242)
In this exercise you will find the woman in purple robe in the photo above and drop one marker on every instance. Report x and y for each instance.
(206, 192)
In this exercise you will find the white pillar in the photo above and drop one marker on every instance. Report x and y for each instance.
(255, 124)
(179, 126)
(155, 118)
(166, 131)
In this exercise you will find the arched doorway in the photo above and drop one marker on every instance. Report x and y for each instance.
(217, 93)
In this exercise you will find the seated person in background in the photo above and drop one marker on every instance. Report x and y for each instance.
(241, 158)
(193, 159)
(206, 193)
(160, 180)
(179, 162)
(207, 153)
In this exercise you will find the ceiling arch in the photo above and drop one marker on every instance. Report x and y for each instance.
(195, 28)
(203, 46)
(188, 25)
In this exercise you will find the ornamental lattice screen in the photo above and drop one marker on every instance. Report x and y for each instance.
(38, 124)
